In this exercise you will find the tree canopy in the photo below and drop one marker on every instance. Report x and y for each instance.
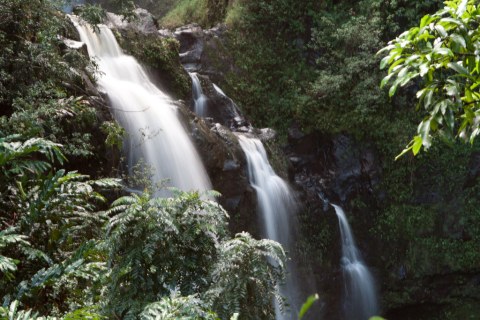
(441, 58)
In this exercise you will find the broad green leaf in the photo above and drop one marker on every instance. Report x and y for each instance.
(395, 64)
(443, 51)
(450, 20)
(458, 68)
(424, 134)
(461, 8)
(458, 39)
(425, 21)
(424, 67)
(474, 135)
(307, 305)
(385, 80)
(412, 58)
(393, 89)
(427, 100)
(452, 90)
(441, 30)
(449, 119)
(384, 62)
(417, 145)
(387, 48)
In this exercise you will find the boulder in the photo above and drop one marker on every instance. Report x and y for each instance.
(192, 41)
(143, 23)
(204, 51)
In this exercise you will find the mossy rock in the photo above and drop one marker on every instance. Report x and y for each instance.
(161, 56)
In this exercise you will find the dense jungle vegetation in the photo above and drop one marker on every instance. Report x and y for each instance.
(75, 244)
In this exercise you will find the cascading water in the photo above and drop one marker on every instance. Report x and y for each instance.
(360, 295)
(276, 204)
(198, 97)
(155, 133)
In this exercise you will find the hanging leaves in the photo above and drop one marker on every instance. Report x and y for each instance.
(442, 56)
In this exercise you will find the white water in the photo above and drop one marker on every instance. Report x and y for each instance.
(198, 96)
(219, 90)
(276, 204)
(360, 294)
(155, 132)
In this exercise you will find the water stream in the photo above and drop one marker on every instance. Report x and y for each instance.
(198, 97)
(360, 294)
(277, 208)
(155, 132)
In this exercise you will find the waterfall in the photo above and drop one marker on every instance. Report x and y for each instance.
(360, 294)
(198, 97)
(217, 88)
(276, 205)
(155, 132)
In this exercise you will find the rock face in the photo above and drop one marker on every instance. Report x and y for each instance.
(204, 51)
(226, 165)
(219, 107)
(331, 168)
(144, 22)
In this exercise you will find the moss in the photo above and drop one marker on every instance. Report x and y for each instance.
(207, 13)
(161, 56)
(185, 12)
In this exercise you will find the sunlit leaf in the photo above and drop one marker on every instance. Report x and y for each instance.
(307, 305)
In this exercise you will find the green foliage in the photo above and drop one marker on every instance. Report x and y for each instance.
(177, 307)
(115, 134)
(347, 54)
(307, 305)
(440, 55)
(93, 14)
(243, 282)
(126, 8)
(162, 245)
(186, 11)
(16, 157)
(430, 221)
(13, 313)
(54, 212)
(159, 244)
(41, 80)
(8, 237)
(60, 255)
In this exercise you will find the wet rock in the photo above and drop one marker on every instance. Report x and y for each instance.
(225, 163)
(266, 134)
(356, 170)
(204, 51)
(144, 22)
(219, 107)
(191, 38)
(334, 166)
